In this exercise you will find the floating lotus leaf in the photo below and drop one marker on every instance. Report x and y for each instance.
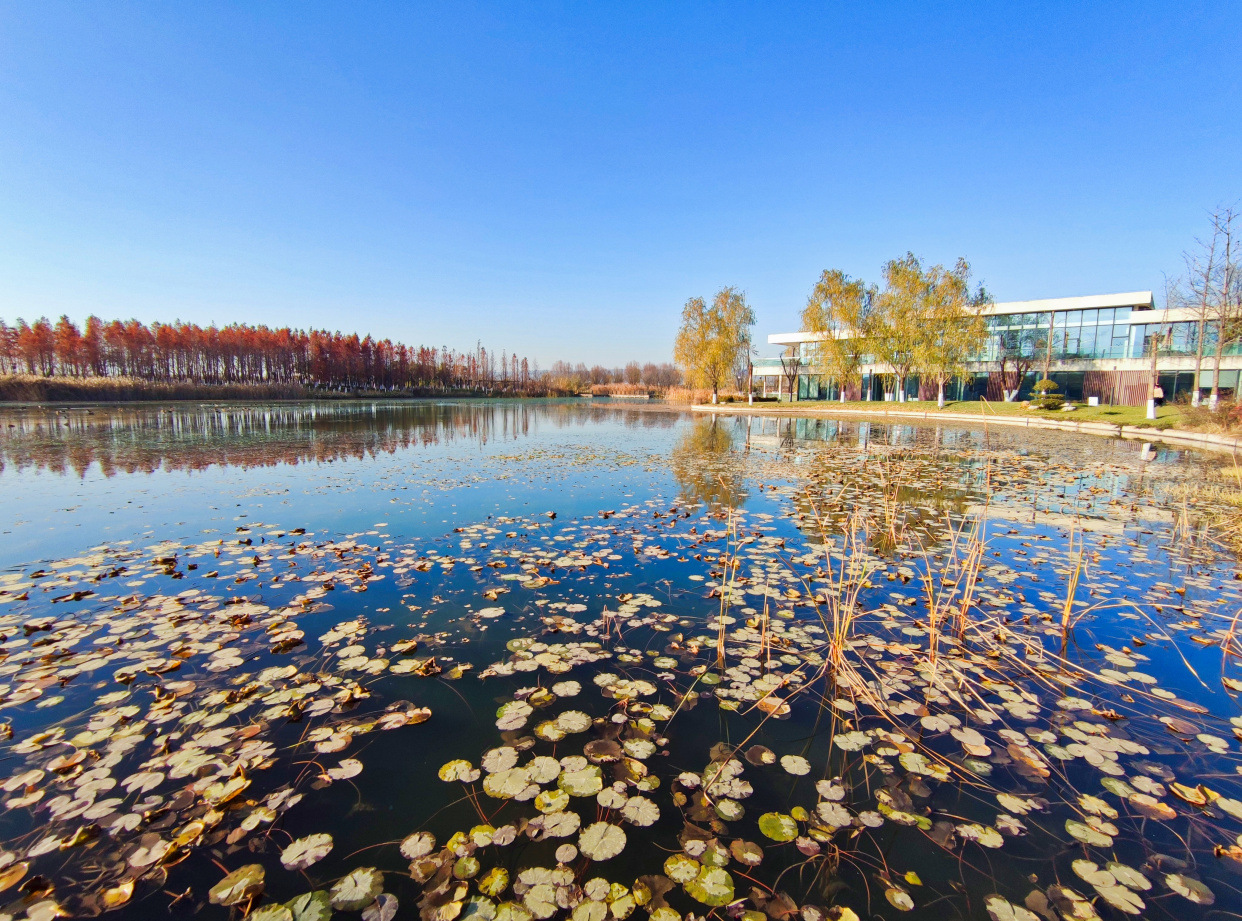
(833, 814)
(795, 764)
(561, 824)
(541, 900)
(118, 895)
(603, 751)
(499, 759)
(495, 882)
(728, 809)
(759, 755)
(1087, 835)
(239, 886)
(590, 911)
(549, 731)
(832, 790)
(641, 811)
(1128, 876)
(1095, 806)
(601, 841)
(271, 913)
(984, 835)
(306, 851)
(419, 844)
(548, 801)
(681, 869)
(639, 748)
(512, 911)
(1091, 873)
(513, 715)
(899, 898)
(1122, 899)
(712, 886)
(466, 868)
(1001, 909)
(1190, 888)
(357, 890)
(458, 770)
(572, 721)
(384, 908)
(851, 741)
(566, 689)
(586, 782)
(478, 908)
(778, 826)
(506, 784)
(746, 852)
(311, 906)
(1229, 806)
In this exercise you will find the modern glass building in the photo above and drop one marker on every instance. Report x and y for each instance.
(1097, 346)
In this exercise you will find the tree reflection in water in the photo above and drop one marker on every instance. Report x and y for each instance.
(706, 466)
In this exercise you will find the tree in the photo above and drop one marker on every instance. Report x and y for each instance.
(894, 327)
(712, 339)
(953, 327)
(791, 367)
(633, 373)
(1201, 277)
(1225, 306)
(837, 312)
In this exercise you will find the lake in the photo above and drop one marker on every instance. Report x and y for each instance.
(514, 660)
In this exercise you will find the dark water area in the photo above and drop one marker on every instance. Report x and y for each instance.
(693, 665)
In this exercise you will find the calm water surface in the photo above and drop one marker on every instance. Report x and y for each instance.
(251, 640)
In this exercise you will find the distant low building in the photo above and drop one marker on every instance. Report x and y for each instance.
(1101, 346)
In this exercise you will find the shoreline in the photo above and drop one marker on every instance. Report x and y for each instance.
(1227, 444)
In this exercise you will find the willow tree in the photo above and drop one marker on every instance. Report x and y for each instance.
(713, 339)
(836, 313)
(953, 328)
(894, 328)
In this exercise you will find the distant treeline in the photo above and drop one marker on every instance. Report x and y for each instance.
(168, 359)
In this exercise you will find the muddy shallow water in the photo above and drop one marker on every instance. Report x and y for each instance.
(519, 660)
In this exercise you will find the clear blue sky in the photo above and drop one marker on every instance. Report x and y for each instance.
(559, 178)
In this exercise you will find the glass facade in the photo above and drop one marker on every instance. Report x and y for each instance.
(1076, 334)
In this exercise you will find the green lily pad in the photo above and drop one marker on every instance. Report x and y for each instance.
(311, 906)
(778, 826)
(712, 886)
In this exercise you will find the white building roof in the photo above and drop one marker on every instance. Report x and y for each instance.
(1140, 299)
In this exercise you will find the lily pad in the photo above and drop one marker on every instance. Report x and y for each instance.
(778, 826)
(601, 840)
(712, 886)
(357, 890)
(239, 886)
(306, 851)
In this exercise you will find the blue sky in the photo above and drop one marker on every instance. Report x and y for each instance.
(559, 178)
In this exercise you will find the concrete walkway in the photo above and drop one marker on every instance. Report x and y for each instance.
(1227, 444)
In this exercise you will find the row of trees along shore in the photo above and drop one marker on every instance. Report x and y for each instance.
(925, 320)
(241, 354)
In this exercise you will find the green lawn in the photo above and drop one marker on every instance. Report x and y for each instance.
(1166, 416)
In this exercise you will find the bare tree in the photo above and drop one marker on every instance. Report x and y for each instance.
(791, 367)
(1226, 305)
(1200, 279)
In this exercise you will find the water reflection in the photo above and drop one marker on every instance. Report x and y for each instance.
(147, 438)
(704, 464)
